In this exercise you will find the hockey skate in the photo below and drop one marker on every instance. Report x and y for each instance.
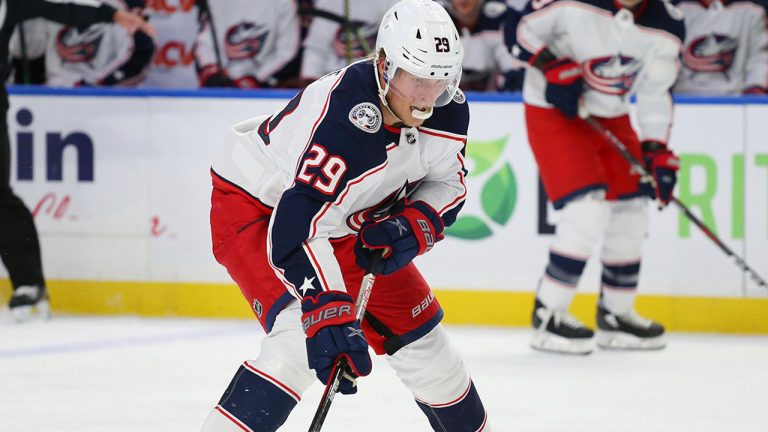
(559, 331)
(629, 331)
(29, 302)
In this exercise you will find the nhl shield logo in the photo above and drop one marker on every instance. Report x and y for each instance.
(410, 138)
(257, 308)
(366, 116)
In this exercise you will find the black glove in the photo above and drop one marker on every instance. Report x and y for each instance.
(219, 79)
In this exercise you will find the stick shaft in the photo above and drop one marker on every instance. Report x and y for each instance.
(640, 168)
(342, 364)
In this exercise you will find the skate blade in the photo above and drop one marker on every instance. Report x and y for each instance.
(547, 342)
(38, 312)
(613, 340)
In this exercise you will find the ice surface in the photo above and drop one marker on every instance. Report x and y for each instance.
(135, 374)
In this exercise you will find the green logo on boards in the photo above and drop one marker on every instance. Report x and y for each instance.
(498, 195)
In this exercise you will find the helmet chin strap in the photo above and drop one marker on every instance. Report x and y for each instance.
(418, 114)
(383, 92)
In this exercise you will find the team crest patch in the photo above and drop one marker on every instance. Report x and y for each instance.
(366, 116)
(257, 308)
(459, 97)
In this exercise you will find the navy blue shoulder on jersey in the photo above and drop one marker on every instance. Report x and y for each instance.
(492, 15)
(452, 118)
(339, 151)
(361, 149)
(509, 27)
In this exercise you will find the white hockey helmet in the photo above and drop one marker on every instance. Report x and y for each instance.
(423, 54)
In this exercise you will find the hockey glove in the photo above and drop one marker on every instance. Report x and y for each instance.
(403, 236)
(213, 76)
(663, 164)
(565, 83)
(332, 332)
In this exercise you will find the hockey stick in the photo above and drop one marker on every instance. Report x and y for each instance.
(204, 13)
(341, 366)
(637, 167)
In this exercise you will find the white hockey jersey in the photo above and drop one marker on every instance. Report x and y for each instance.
(326, 163)
(101, 54)
(726, 47)
(325, 46)
(254, 38)
(177, 26)
(620, 53)
(484, 52)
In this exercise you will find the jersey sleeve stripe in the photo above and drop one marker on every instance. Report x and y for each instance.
(461, 197)
(316, 266)
(278, 271)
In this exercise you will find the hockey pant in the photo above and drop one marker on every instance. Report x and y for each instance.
(622, 225)
(264, 391)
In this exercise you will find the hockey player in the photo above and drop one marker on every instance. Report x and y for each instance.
(244, 43)
(487, 59)
(19, 245)
(102, 54)
(599, 51)
(325, 48)
(368, 157)
(726, 47)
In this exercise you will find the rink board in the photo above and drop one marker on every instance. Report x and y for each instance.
(120, 189)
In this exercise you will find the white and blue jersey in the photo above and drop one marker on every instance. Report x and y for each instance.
(726, 46)
(484, 52)
(620, 53)
(326, 164)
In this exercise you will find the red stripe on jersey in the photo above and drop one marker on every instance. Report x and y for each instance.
(485, 420)
(392, 129)
(459, 138)
(463, 184)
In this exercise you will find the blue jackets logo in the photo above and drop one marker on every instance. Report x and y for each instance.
(711, 53)
(614, 75)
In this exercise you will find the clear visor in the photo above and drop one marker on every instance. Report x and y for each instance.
(423, 92)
